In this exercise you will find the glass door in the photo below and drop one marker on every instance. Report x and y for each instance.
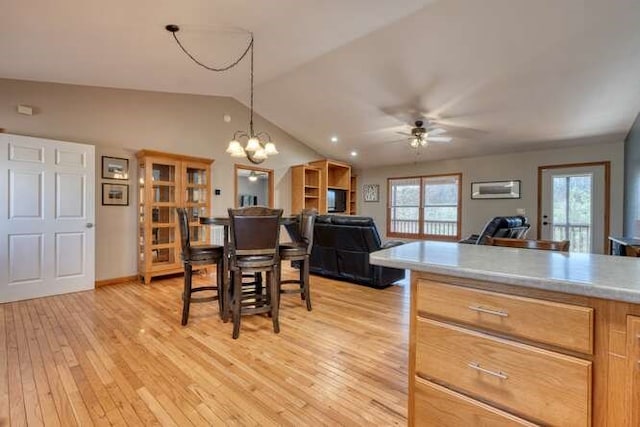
(573, 207)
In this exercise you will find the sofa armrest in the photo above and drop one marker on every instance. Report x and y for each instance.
(391, 244)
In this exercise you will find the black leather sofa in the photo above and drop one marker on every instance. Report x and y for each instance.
(514, 227)
(341, 247)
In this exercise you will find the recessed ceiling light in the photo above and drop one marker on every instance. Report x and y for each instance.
(354, 153)
(334, 139)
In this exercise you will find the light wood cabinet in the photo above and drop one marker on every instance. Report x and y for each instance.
(633, 367)
(436, 405)
(329, 175)
(562, 325)
(166, 182)
(306, 184)
(353, 198)
(527, 356)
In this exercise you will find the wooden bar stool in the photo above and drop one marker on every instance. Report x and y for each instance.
(253, 248)
(299, 250)
(200, 255)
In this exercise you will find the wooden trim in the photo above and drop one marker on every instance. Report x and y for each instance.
(421, 234)
(607, 193)
(115, 281)
(257, 169)
(143, 153)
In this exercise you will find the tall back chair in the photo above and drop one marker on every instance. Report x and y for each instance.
(547, 245)
(299, 250)
(632, 251)
(255, 233)
(200, 255)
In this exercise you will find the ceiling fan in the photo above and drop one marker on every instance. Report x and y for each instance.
(422, 134)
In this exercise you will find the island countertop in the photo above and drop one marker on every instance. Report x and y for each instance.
(602, 276)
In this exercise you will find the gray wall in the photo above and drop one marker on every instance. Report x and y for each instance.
(516, 166)
(632, 181)
(120, 122)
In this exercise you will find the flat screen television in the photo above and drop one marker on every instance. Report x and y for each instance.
(336, 201)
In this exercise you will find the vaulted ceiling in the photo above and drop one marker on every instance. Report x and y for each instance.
(501, 75)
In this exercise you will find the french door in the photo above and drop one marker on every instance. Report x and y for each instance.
(573, 206)
(47, 213)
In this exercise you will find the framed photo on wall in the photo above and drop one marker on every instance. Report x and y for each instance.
(371, 192)
(115, 194)
(495, 190)
(115, 168)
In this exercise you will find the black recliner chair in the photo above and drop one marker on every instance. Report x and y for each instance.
(514, 227)
(341, 248)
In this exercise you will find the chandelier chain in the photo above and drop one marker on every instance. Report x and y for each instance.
(225, 68)
(251, 95)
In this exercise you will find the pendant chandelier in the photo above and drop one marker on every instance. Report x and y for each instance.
(259, 145)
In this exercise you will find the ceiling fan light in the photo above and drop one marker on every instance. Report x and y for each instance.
(253, 177)
(414, 143)
(270, 149)
(253, 144)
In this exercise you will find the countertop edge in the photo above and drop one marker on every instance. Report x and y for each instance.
(574, 288)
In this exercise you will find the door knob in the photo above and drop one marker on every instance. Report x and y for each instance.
(89, 225)
(545, 223)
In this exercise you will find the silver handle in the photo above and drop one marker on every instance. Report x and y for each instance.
(481, 309)
(477, 367)
(89, 225)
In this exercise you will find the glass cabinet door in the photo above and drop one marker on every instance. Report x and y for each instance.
(163, 212)
(196, 200)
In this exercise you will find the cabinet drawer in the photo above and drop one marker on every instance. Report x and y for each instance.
(537, 384)
(440, 407)
(562, 325)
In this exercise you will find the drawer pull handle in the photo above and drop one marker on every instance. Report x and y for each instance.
(482, 309)
(477, 367)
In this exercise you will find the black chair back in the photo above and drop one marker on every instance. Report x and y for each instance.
(255, 230)
(306, 221)
(183, 221)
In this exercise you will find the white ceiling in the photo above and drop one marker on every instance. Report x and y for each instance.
(522, 73)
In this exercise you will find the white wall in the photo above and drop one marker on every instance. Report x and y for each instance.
(120, 122)
(515, 166)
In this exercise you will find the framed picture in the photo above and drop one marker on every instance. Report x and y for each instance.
(495, 190)
(115, 168)
(115, 194)
(371, 192)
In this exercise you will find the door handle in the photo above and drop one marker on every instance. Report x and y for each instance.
(89, 225)
(545, 223)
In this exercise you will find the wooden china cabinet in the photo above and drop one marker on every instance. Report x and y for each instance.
(166, 182)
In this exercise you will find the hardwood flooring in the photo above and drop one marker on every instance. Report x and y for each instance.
(118, 356)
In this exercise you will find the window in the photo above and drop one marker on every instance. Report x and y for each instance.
(425, 207)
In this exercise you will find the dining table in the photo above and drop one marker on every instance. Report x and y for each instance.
(225, 222)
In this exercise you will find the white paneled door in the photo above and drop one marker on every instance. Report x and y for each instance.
(47, 213)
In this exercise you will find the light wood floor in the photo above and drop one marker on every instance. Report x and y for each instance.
(118, 355)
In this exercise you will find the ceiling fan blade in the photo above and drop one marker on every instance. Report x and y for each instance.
(435, 131)
(404, 133)
(439, 139)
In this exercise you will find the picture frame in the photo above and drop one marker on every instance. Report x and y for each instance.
(371, 192)
(115, 194)
(115, 168)
(496, 190)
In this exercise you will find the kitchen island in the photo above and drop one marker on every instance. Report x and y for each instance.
(505, 336)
